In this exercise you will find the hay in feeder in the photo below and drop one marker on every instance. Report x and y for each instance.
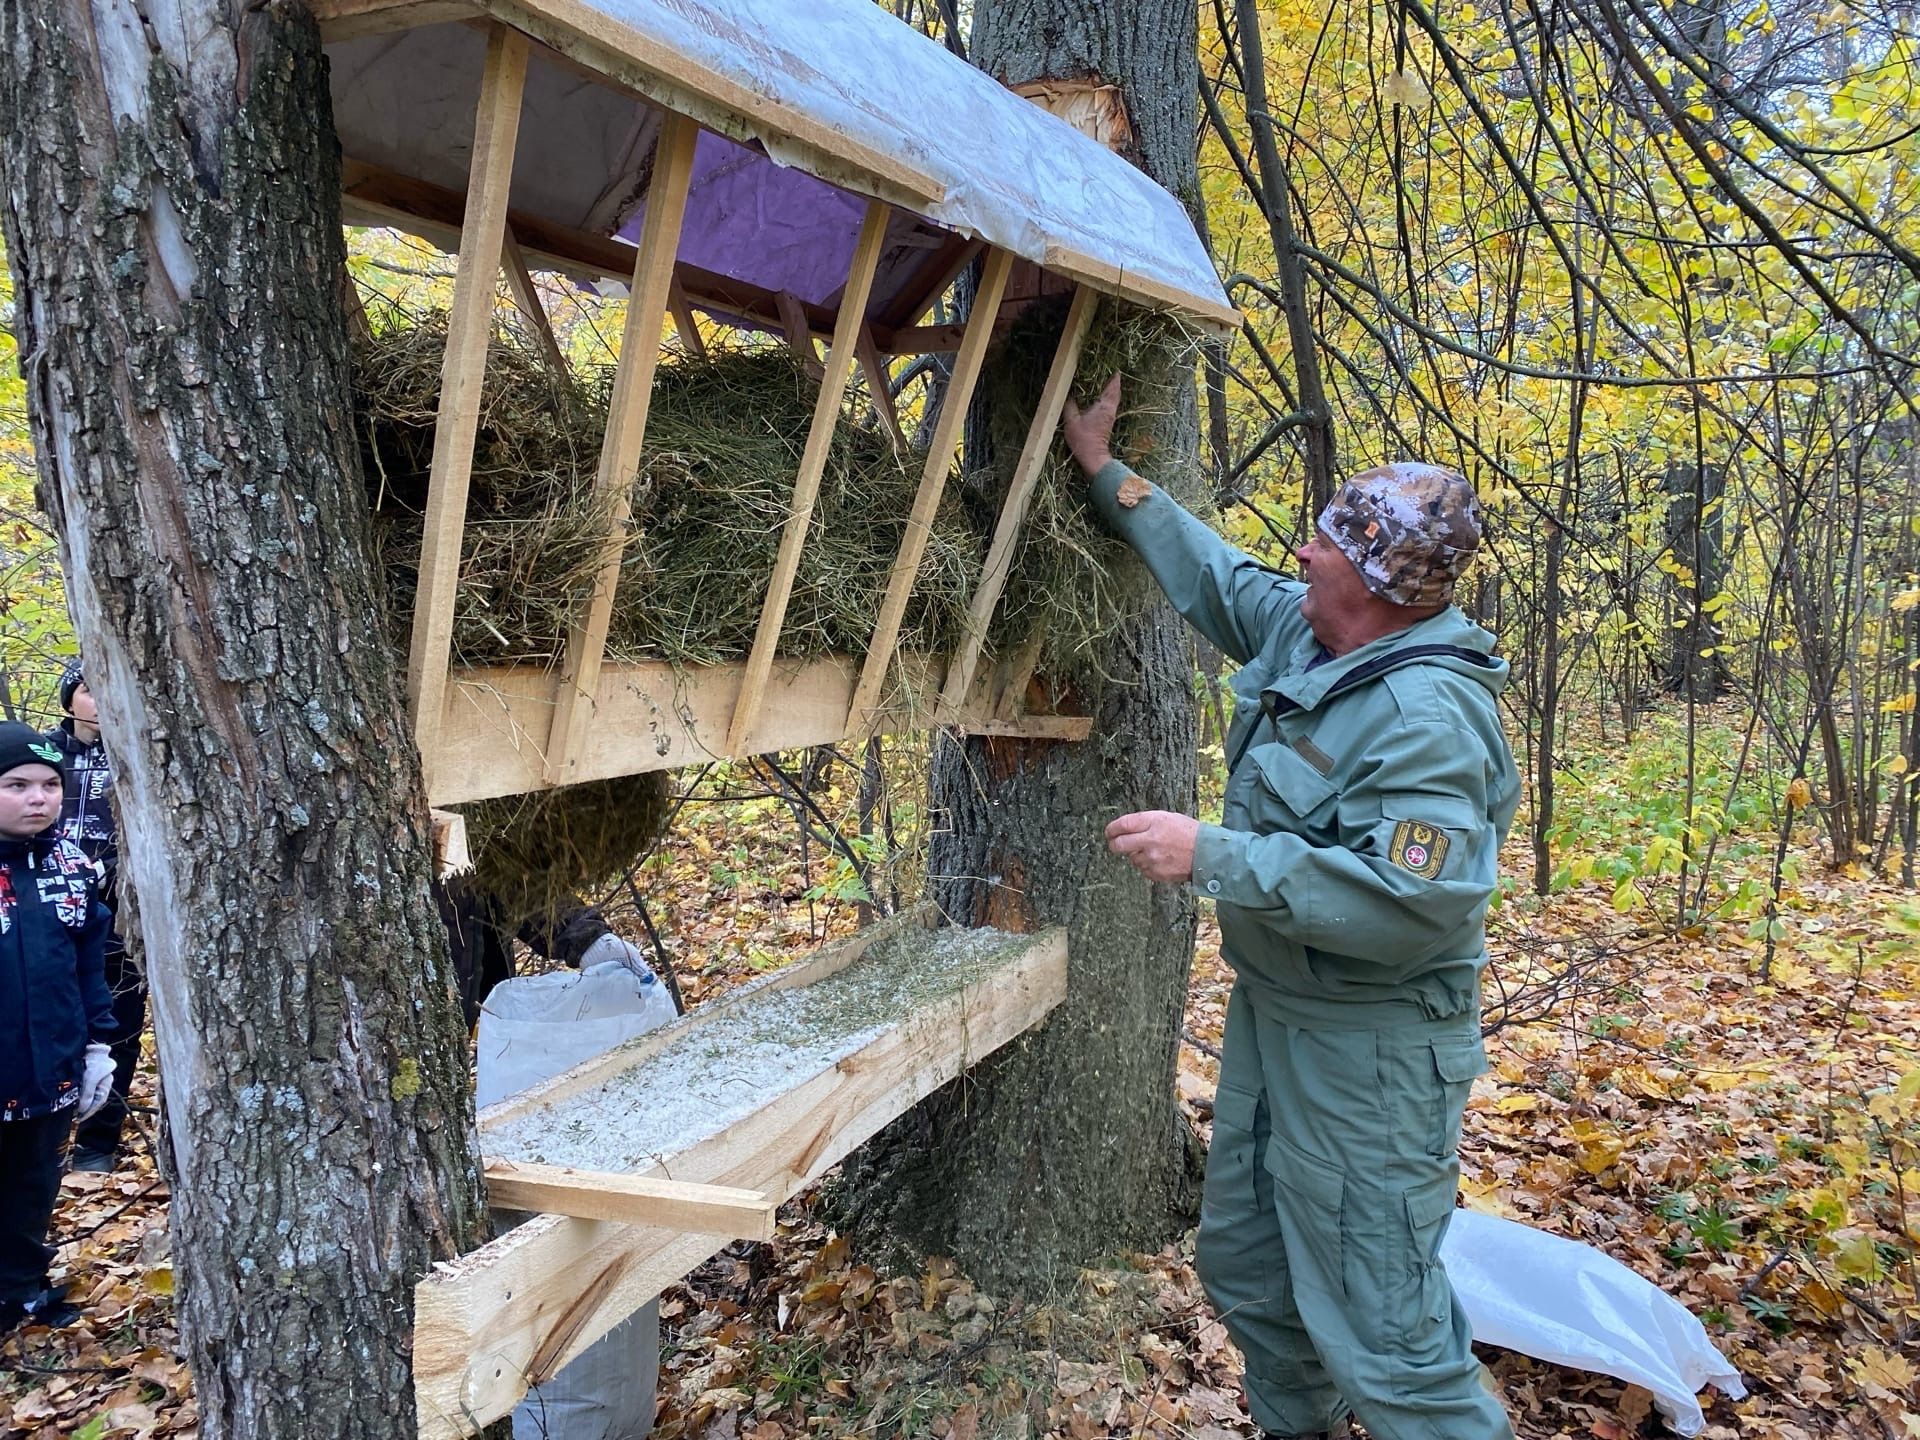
(1072, 581)
(533, 853)
(723, 445)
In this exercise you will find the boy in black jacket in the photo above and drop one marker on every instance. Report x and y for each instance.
(86, 818)
(56, 1017)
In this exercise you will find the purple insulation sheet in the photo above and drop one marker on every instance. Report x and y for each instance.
(760, 222)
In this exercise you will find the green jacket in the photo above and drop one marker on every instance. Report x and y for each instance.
(1360, 837)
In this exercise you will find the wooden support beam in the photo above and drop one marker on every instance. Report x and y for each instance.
(631, 1199)
(933, 483)
(490, 1323)
(1013, 511)
(936, 275)
(526, 299)
(798, 329)
(496, 127)
(626, 430)
(813, 465)
(653, 715)
(352, 19)
(873, 365)
(683, 321)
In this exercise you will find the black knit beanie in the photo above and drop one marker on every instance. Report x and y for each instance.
(24, 745)
(71, 679)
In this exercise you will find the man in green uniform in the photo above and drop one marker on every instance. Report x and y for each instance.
(1370, 787)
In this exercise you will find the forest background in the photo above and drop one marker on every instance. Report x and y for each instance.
(1650, 276)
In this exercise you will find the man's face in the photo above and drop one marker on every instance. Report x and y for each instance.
(1335, 591)
(29, 800)
(82, 707)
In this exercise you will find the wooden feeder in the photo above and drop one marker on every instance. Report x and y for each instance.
(817, 170)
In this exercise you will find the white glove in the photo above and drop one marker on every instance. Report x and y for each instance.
(612, 947)
(96, 1081)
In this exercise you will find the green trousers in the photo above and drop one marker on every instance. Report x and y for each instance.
(1330, 1183)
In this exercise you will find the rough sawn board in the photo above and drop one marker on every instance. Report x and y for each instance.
(763, 1090)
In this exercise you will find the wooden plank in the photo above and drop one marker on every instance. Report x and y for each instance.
(683, 321)
(492, 1322)
(496, 126)
(933, 483)
(828, 960)
(799, 332)
(722, 1210)
(813, 465)
(352, 19)
(1033, 727)
(626, 430)
(1013, 511)
(526, 299)
(654, 716)
(873, 365)
(1140, 289)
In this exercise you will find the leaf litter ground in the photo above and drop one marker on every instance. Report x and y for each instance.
(1746, 1146)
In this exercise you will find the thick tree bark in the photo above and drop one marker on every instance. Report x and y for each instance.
(172, 216)
(1069, 1144)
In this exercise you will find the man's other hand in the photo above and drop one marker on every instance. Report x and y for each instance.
(1157, 843)
(1089, 432)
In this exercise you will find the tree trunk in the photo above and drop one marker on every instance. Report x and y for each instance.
(1069, 1143)
(172, 216)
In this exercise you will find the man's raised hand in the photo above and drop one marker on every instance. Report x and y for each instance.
(1157, 843)
(1089, 432)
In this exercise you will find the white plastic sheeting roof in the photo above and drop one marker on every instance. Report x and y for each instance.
(837, 88)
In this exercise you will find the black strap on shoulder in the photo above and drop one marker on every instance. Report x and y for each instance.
(1378, 666)
(1274, 706)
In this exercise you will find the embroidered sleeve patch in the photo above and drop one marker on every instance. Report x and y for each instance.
(1419, 848)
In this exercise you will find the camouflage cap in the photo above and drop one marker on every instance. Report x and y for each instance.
(1409, 528)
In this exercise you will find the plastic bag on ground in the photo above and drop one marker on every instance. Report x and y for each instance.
(532, 1027)
(1561, 1301)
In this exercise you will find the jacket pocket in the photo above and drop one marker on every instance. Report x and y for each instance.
(1310, 1195)
(1305, 797)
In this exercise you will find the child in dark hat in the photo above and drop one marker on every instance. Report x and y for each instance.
(86, 818)
(56, 1017)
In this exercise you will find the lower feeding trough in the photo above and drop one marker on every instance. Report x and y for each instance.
(650, 1158)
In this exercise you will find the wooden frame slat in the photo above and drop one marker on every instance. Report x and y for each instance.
(656, 715)
(496, 127)
(933, 483)
(873, 365)
(626, 428)
(813, 464)
(683, 321)
(1013, 511)
(631, 1199)
(526, 300)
